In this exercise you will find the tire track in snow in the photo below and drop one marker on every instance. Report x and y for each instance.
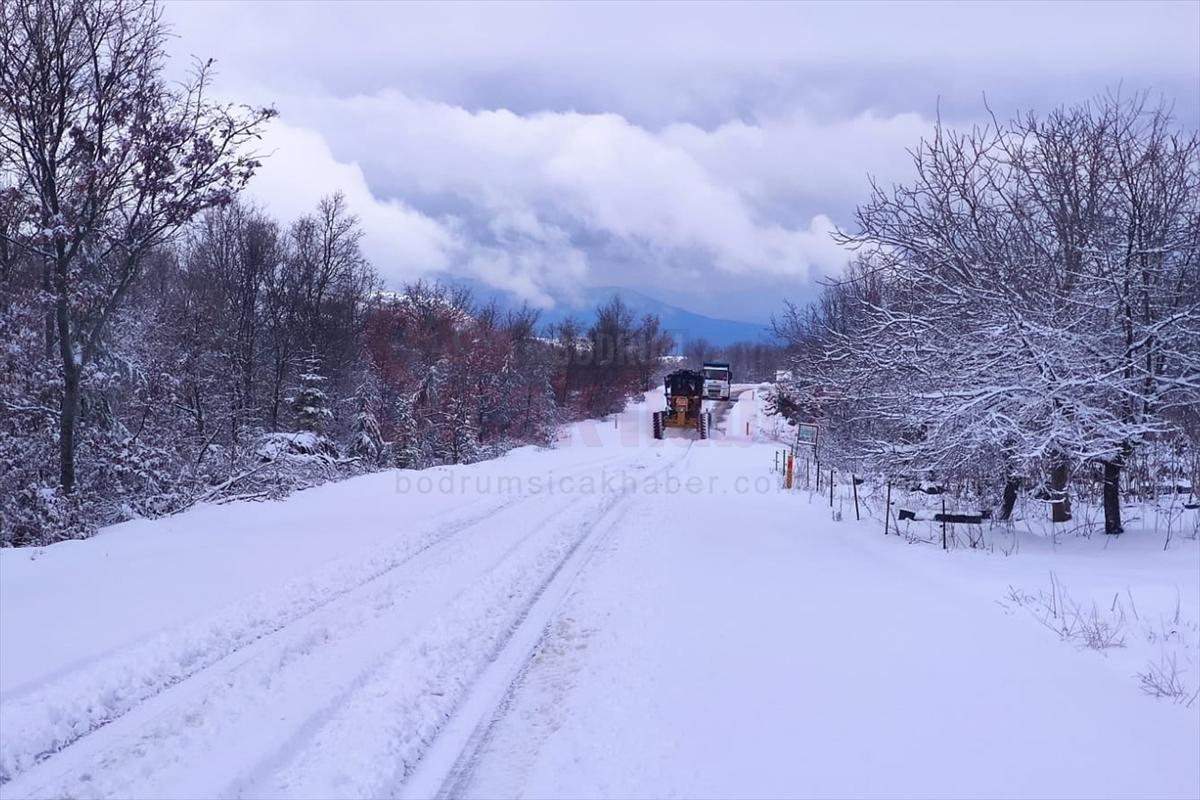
(44, 721)
(497, 688)
(172, 711)
(453, 769)
(251, 782)
(447, 765)
(94, 697)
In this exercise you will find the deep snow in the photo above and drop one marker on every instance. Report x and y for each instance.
(612, 617)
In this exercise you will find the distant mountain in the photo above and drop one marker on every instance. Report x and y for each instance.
(683, 324)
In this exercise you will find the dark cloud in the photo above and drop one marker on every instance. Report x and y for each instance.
(698, 150)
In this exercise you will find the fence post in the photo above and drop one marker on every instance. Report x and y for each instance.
(854, 485)
(944, 521)
(831, 488)
(776, 461)
(887, 510)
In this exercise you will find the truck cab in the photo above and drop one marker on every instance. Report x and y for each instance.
(717, 380)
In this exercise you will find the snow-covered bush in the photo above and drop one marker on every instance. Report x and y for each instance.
(275, 446)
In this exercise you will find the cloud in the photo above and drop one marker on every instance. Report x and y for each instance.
(532, 196)
(523, 203)
(701, 151)
(701, 62)
(401, 241)
(799, 157)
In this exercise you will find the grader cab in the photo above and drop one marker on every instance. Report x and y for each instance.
(685, 404)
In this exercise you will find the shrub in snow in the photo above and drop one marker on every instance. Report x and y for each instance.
(275, 446)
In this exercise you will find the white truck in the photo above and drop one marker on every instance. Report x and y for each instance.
(717, 379)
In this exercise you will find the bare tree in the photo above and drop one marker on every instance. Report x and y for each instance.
(108, 159)
(1021, 306)
(653, 343)
(697, 350)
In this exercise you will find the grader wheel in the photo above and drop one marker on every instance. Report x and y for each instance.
(658, 425)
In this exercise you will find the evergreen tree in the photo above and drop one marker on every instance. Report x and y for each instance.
(367, 442)
(310, 403)
(406, 454)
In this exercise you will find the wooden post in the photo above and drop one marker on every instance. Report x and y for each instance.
(944, 522)
(818, 476)
(747, 428)
(831, 488)
(854, 485)
(788, 480)
(887, 510)
(776, 461)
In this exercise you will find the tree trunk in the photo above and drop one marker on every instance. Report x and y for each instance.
(68, 418)
(68, 422)
(48, 287)
(248, 380)
(1112, 497)
(276, 390)
(1060, 501)
(1011, 486)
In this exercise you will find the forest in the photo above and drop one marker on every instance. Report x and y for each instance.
(246, 358)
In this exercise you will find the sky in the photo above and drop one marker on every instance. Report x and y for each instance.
(701, 153)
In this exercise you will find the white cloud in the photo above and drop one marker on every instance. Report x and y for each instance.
(798, 155)
(743, 199)
(528, 190)
(401, 241)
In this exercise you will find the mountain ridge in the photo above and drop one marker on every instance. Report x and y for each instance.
(683, 324)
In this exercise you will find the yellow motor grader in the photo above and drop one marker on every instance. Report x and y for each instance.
(685, 404)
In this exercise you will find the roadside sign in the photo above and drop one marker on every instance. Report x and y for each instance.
(806, 434)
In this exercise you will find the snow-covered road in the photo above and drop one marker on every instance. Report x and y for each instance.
(614, 617)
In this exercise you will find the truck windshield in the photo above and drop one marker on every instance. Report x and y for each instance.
(716, 374)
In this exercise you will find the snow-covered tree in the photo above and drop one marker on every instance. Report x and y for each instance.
(367, 441)
(1023, 303)
(406, 452)
(107, 160)
(309, 402)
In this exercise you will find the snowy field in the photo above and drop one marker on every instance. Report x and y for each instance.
(613, 617)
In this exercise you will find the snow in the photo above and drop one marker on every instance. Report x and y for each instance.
(612, 617)
(272, 446)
